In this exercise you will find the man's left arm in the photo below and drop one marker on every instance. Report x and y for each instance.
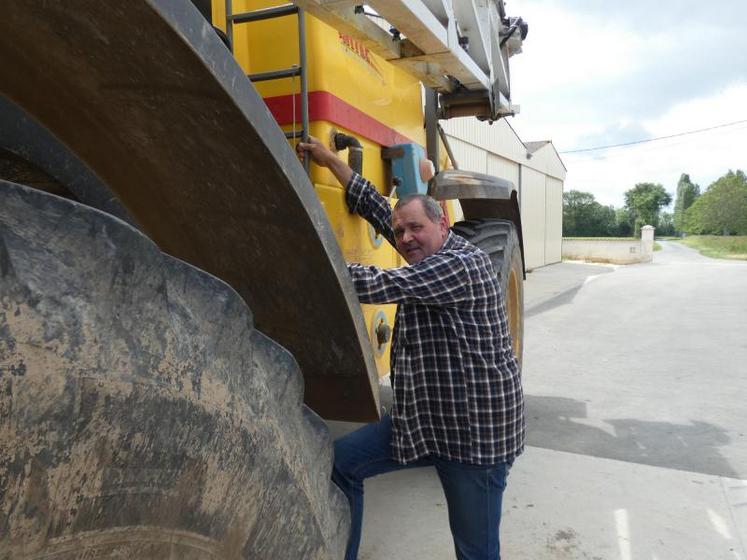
(440, 279)
(363, 199)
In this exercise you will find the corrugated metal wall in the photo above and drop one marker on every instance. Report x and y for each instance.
(497, 150)
(533, 211)
(475, 158)
(553, 219)
(501, 167)
(469, 156)
(498, 138)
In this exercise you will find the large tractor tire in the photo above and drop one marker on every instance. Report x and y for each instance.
(499, 239)
(141, 413)
(145, 98)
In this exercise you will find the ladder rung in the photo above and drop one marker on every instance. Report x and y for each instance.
(275, 74)
(265, 13)
(296, 134)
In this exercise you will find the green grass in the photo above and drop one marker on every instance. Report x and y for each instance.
(602, 238)
(718, 246)
(657, 246)
(668, 238)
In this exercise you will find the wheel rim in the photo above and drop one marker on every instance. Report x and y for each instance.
(514, 313)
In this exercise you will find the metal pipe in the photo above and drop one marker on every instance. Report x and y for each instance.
(447, 145)
(265, 13)
(355, 150)
(304, 82)
(431, 126)
(229, 23)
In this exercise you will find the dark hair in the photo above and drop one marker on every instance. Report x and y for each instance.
(431, 207)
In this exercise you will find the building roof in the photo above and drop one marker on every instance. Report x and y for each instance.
(534, 146)
(501, 139)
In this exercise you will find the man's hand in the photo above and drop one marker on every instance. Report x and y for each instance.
(324, 157)
(321, 155)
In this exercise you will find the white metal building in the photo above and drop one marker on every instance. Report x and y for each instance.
(534, 167)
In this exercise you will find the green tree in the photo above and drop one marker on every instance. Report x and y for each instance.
(606, 221)
(585, 217)
(722, 209)
(687, 192)
(666, 224)
(644, 201)
(624, 223)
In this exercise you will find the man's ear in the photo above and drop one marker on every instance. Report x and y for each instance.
(444, 225)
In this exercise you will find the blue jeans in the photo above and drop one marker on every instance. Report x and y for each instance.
(474, 493)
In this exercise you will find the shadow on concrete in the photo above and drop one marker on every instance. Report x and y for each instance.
(563, 298)
(562, 424)
(552, 286)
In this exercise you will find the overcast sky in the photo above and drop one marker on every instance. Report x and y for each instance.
(601, 72)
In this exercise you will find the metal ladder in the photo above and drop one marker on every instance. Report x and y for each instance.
(296, 70)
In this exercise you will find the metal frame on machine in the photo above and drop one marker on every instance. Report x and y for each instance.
(459, 50)
(448, 45)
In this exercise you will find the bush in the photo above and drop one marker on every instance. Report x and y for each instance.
(722, 209)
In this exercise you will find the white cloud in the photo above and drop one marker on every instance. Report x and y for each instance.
(565, 48)
(725, 106)
(704, 156)
(594, 76)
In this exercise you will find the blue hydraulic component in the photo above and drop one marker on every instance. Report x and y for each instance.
(406, 165)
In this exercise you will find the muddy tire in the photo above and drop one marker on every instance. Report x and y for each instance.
(141, 414)
(499, 239)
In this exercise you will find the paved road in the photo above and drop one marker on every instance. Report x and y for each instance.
(636, 383)
(644, 363)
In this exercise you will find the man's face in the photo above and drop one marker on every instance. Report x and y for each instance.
(416, 235)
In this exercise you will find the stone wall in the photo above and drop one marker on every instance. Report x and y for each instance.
(616, 251)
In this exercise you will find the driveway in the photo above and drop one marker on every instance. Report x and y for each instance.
(644, 363)
(636, 382)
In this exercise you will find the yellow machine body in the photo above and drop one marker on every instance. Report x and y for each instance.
(350, 90)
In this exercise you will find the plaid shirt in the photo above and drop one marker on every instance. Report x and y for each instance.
(456, 382)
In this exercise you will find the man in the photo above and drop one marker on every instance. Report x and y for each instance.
(458, 404)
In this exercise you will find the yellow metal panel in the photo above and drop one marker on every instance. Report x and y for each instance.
(374, 168)
(266, 45)
(358, 241)
(388, 98)
(335, 63)
(345, 68)
(359, 245)
(218, 14)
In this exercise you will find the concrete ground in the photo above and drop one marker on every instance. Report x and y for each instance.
(635, 378)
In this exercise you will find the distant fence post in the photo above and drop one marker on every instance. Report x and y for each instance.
(647, 243)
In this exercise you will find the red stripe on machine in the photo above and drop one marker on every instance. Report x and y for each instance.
(323, 106)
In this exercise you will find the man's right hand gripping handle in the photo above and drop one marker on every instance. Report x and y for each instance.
(324, 157)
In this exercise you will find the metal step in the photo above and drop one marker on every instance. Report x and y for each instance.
(297, 70)
(275, 74)
(265, 13)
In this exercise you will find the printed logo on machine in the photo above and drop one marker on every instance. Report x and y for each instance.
(362, 52)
